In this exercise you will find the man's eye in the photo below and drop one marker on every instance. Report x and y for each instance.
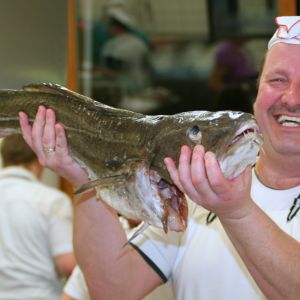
(278, 79)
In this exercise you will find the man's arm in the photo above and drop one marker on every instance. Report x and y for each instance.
(111, 270)
(65, 263)
(65, 296)
(271, 255)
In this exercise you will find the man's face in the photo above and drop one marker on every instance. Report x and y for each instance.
(277, 106)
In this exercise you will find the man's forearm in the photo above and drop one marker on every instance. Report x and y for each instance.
(110, 269)
(271, 256)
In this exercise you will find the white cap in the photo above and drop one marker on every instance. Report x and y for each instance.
(288, 31)
(121, 16)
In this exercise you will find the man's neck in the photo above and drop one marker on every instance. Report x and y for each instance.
(278, 175)
(34, 167)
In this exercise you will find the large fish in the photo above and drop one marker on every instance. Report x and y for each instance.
(123, 151)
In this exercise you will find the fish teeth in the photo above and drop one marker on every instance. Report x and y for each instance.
(289, 121)
(245, 131)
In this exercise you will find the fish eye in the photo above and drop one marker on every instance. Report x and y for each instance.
(194, 134)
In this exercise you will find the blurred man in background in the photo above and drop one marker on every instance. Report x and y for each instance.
(125, 56)
(35, 228)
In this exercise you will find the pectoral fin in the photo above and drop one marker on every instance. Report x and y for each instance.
(115, 179)
(137, 232)
(120, 178)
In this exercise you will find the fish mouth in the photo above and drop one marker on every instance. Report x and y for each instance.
(242, 151)
(246, 132)
(173, 201)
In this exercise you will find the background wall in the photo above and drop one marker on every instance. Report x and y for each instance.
(33, 42)
(33, 46)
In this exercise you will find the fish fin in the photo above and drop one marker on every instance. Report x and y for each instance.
(52, 88)
(44, 87)
(137, 232)
(119, 178)
(100, 181)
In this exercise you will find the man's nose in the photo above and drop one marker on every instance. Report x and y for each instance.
(292, 94)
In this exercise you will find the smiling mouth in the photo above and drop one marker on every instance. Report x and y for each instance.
(288, 121)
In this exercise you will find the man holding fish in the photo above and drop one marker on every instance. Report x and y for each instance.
(250, 251)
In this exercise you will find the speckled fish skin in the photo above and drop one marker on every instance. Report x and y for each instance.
(114, 143)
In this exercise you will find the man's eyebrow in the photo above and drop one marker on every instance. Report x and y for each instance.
(276, 71)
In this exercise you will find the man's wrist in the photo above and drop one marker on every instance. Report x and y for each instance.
(84, 196)
(238, 214)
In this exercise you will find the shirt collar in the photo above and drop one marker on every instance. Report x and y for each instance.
(17, 172)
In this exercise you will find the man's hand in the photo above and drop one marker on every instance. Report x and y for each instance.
(48, 140)
(199, 176)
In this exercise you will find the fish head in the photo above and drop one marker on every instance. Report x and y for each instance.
(233, 137)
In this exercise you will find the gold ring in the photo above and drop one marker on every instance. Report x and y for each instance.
(50, 149)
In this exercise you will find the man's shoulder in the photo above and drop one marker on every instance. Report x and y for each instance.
(49, 197)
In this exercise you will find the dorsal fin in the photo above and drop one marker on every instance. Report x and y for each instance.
(54, 88)
(57, 89)
(51, 88)
(138, 231)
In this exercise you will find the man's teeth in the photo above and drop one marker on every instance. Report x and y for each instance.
(289, 121)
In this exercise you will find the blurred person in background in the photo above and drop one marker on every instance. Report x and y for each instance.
(101, 32)
(233, 76)
(36, 250)
(124, 58)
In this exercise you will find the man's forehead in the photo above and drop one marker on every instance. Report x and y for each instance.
(284, 51)
(281, 59)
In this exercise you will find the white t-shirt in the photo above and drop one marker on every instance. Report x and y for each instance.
(201, 262)
(35, 226)
(76, 286)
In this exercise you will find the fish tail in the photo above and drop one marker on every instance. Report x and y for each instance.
(27, 100)
(9, 115)
(11, 103)
(30, 97)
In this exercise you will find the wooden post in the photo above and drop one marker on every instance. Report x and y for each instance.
(288, 7)
(72, 67)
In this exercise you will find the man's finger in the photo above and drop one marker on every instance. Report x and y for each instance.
(184, 171)
(48, 138)
(38, 131)
(217, 180)
(198, 172)
(171, 167)
(26, 128)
